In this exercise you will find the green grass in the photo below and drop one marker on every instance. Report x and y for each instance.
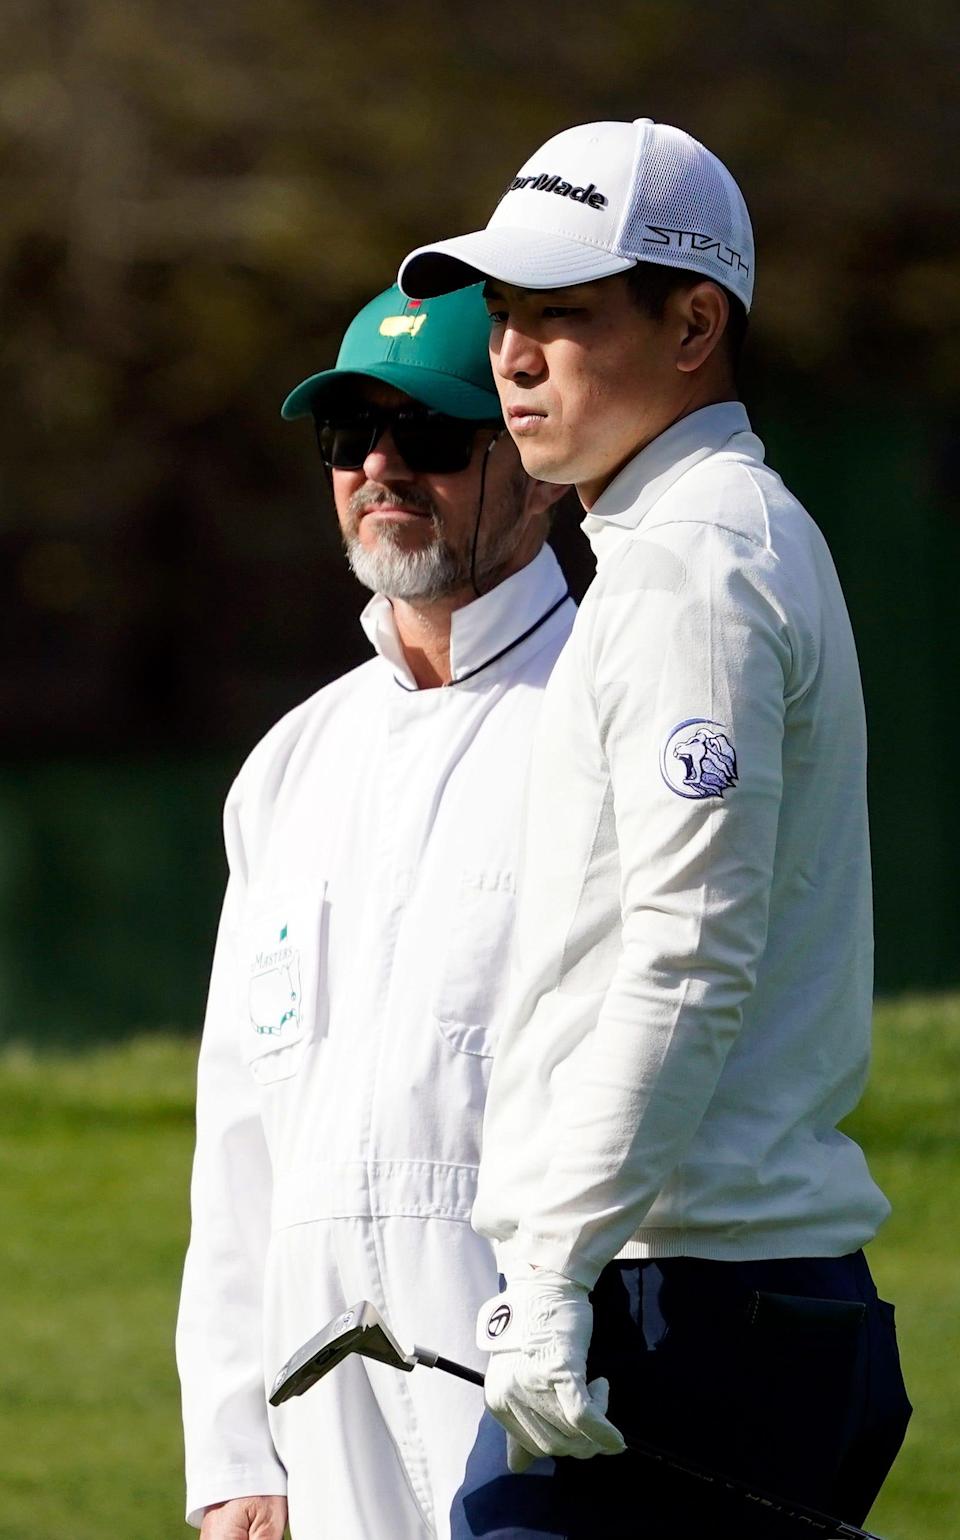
(96, 1152)
(907, 1123)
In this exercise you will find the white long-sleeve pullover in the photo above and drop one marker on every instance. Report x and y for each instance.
(690, 1011)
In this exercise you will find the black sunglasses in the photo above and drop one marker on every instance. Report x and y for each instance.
(426, 440)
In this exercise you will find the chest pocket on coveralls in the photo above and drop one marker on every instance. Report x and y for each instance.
(283, 943)
(472, 992)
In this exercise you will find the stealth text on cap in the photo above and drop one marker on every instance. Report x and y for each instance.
(695, 240)
(556, 184)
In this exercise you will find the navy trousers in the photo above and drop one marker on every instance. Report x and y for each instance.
(782, 1374)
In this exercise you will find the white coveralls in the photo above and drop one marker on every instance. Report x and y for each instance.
(356, 989)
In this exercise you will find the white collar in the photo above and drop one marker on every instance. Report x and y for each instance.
(481, 629)
(645, 478)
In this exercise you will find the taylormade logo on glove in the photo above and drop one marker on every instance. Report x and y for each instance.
(537, 1333)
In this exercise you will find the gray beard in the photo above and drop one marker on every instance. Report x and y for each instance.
(436, 570)
(425, 575)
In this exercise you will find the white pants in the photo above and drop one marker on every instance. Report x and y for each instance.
(372, 1453)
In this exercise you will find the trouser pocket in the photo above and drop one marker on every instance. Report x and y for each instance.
(795, 1392)
(770, 1313)
(764, 1387)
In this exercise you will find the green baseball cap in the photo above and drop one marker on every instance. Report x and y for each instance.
(436, 350)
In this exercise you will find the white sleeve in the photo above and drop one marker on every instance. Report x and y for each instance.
(229, 1450)
(695, 872)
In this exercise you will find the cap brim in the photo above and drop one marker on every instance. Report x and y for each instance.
(528, 259)
(442, 392)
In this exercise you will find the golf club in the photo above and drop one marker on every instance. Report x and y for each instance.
(362, 1329)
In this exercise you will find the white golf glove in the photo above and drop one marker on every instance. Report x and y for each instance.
(537, 1334)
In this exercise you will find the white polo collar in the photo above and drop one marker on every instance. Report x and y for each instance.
(645, 478)
(480, 630)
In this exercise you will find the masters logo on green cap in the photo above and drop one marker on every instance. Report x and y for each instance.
(435, 350)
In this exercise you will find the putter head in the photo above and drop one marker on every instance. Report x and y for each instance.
(361, 1329)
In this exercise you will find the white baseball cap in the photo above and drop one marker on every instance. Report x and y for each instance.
(594, 201)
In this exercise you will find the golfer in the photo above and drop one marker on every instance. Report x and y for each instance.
(677, 1216)
(361, 963)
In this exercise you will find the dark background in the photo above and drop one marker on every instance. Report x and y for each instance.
(195, 202)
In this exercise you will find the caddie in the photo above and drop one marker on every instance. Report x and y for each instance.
(677, 1216)
(361, 961)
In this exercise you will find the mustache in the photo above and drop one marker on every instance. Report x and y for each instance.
(373, 495)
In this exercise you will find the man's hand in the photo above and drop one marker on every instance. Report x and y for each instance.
(246, 1518)
(537, 1334)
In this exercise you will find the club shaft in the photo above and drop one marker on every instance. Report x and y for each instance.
(432, 1360)
(460, 1370)
(817, 1523)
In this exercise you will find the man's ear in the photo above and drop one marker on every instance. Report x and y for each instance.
(703, 311)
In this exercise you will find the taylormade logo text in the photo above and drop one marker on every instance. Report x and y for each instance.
(556, 184)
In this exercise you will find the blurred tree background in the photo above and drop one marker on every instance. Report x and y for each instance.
(196, 200)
